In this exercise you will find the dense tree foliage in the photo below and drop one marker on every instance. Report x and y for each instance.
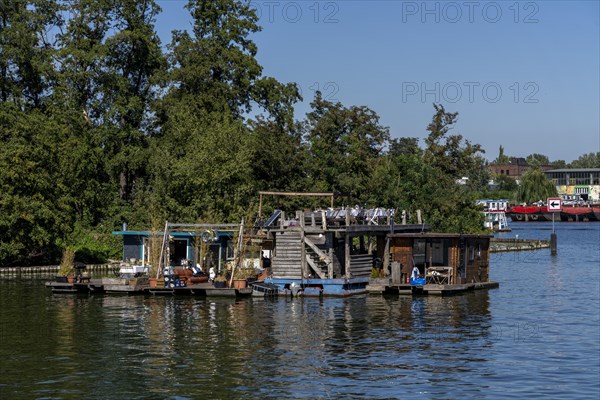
(589, 160)
(536, 187)
(100, 125)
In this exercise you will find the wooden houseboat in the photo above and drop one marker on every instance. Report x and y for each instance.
(330, 252)
(446, 263)
(184, 245)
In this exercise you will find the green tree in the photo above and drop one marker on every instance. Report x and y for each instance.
(133, 60)
(535, 186)
(558, 164)
(209, 173)
(215, 68)
(410, 179)
(32, 215)
(505, 183)
(536, 160)
(278, 156)
(502, 158)
(449, 153)
(26, 58)
(344, 145)
(589, 160)
(448, 208)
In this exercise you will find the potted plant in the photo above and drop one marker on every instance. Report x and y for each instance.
(220, 281)
(67, 263)
(242, 275)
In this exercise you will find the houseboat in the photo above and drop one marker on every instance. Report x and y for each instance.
(340, 252)
(443, 263)
(185, 245)
(494, 212)
(330, 252)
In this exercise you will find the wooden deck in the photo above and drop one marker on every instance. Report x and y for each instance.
(116, 286)
(430, 289)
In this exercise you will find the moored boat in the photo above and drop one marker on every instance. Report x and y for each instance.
(529, 213)
(577, 213)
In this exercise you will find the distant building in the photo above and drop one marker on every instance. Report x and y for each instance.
(515, 168)
(583, 182)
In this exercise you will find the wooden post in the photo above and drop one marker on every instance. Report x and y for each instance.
(330, 265)
(419, 221)
(160, 259)
(396, 273)
(386, 256)
(303, 272)
(238, 254)
(324, 218)
(348, 238)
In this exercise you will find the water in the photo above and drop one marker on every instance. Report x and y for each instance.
(537, 336)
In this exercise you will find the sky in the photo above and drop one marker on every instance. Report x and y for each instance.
(524, 75)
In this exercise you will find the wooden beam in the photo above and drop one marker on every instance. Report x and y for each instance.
(386, 256)
(308, 194)
(302, 247)
(319, 252)
(170, 225)
(314, 267)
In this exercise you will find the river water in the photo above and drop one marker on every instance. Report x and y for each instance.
(537, 336)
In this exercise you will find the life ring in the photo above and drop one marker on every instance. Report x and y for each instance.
(519, 217)
(207, 236)
(534, 217)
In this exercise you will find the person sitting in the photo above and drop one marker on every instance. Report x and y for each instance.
(212, 274)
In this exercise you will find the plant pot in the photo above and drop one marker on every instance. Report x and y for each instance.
(240, 283)
(220, 285)
(152, 283)
(70, 279)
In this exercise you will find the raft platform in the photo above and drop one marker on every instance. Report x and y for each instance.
(380, 288)
(96, 286)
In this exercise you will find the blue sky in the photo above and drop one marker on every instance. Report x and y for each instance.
(525, 75)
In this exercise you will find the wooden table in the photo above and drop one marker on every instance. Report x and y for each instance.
(439, 275)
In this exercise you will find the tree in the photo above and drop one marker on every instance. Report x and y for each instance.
(446, 152)
(215, 68)
(589, 160)
(32, 215)
(558, 164)
(426, 179)
(132, 62)
(535, 186)
(343, 145)
(26, 58)
(502, 158)
(278, 156)
(536, 160)
(505, 183)
(208, 175)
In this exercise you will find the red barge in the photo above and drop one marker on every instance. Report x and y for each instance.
(534, 213)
